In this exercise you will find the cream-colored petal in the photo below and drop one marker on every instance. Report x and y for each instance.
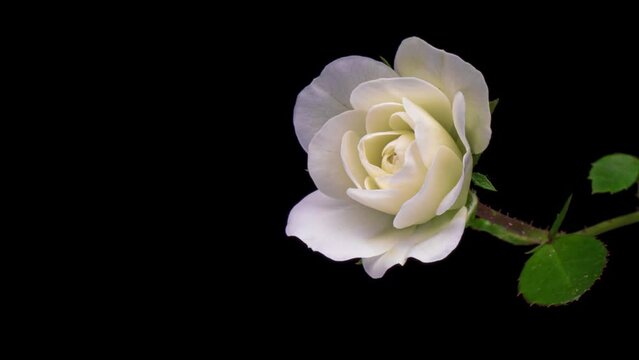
(441, 177)
(401, 121)
(451, 74)
(370, 151)
(340, 229)
(372, 145)
(329, 94)
(395, 188)
(429, 134)
(370, 183)
(422, 93)
(394, 152)
(350, 159)
(324, 153)
(377, 118)
(388, 201)
(456, 198)
(427, 243)
(410, 177)
(444, 241)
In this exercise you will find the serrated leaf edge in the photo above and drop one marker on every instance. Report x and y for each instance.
(531, 303)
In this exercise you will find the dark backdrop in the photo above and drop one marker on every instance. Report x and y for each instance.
(564, 102)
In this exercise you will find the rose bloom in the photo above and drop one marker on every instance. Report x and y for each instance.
(390, 151)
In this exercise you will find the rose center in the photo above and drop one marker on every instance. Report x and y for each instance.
(394, 151)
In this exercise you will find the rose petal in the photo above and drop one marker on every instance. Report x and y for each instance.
(442, 175)
(401, 121)
(410, 177)
(370, 151)
(374, 92)
(451, 74)
(429, 134)
(445, 241)
(371, 146)
(329, 94)
(377, 119)
(429, 242)
(456, 198)
(350, 159)
(324, 153)
(398, 187)
(388, 201)
(342, 230)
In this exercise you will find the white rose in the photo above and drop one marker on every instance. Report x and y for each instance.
(391, 154)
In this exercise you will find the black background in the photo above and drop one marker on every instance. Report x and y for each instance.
(564, 102)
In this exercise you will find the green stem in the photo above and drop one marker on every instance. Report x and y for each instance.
(611, 224)
(506, 228)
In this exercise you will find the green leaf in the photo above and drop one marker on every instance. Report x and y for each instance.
(560, 218)
(482, 181)
(562, 271)
(493, 105)
(613, 173)
(385, 61)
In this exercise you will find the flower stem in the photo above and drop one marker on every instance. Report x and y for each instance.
(517, 232)
(611, 224)
(506, 228)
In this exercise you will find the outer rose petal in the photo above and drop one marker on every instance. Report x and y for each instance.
(329, 94)
(456, 198)
(324, 153)
(429, 242)
(342, 230)
(451, 74)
